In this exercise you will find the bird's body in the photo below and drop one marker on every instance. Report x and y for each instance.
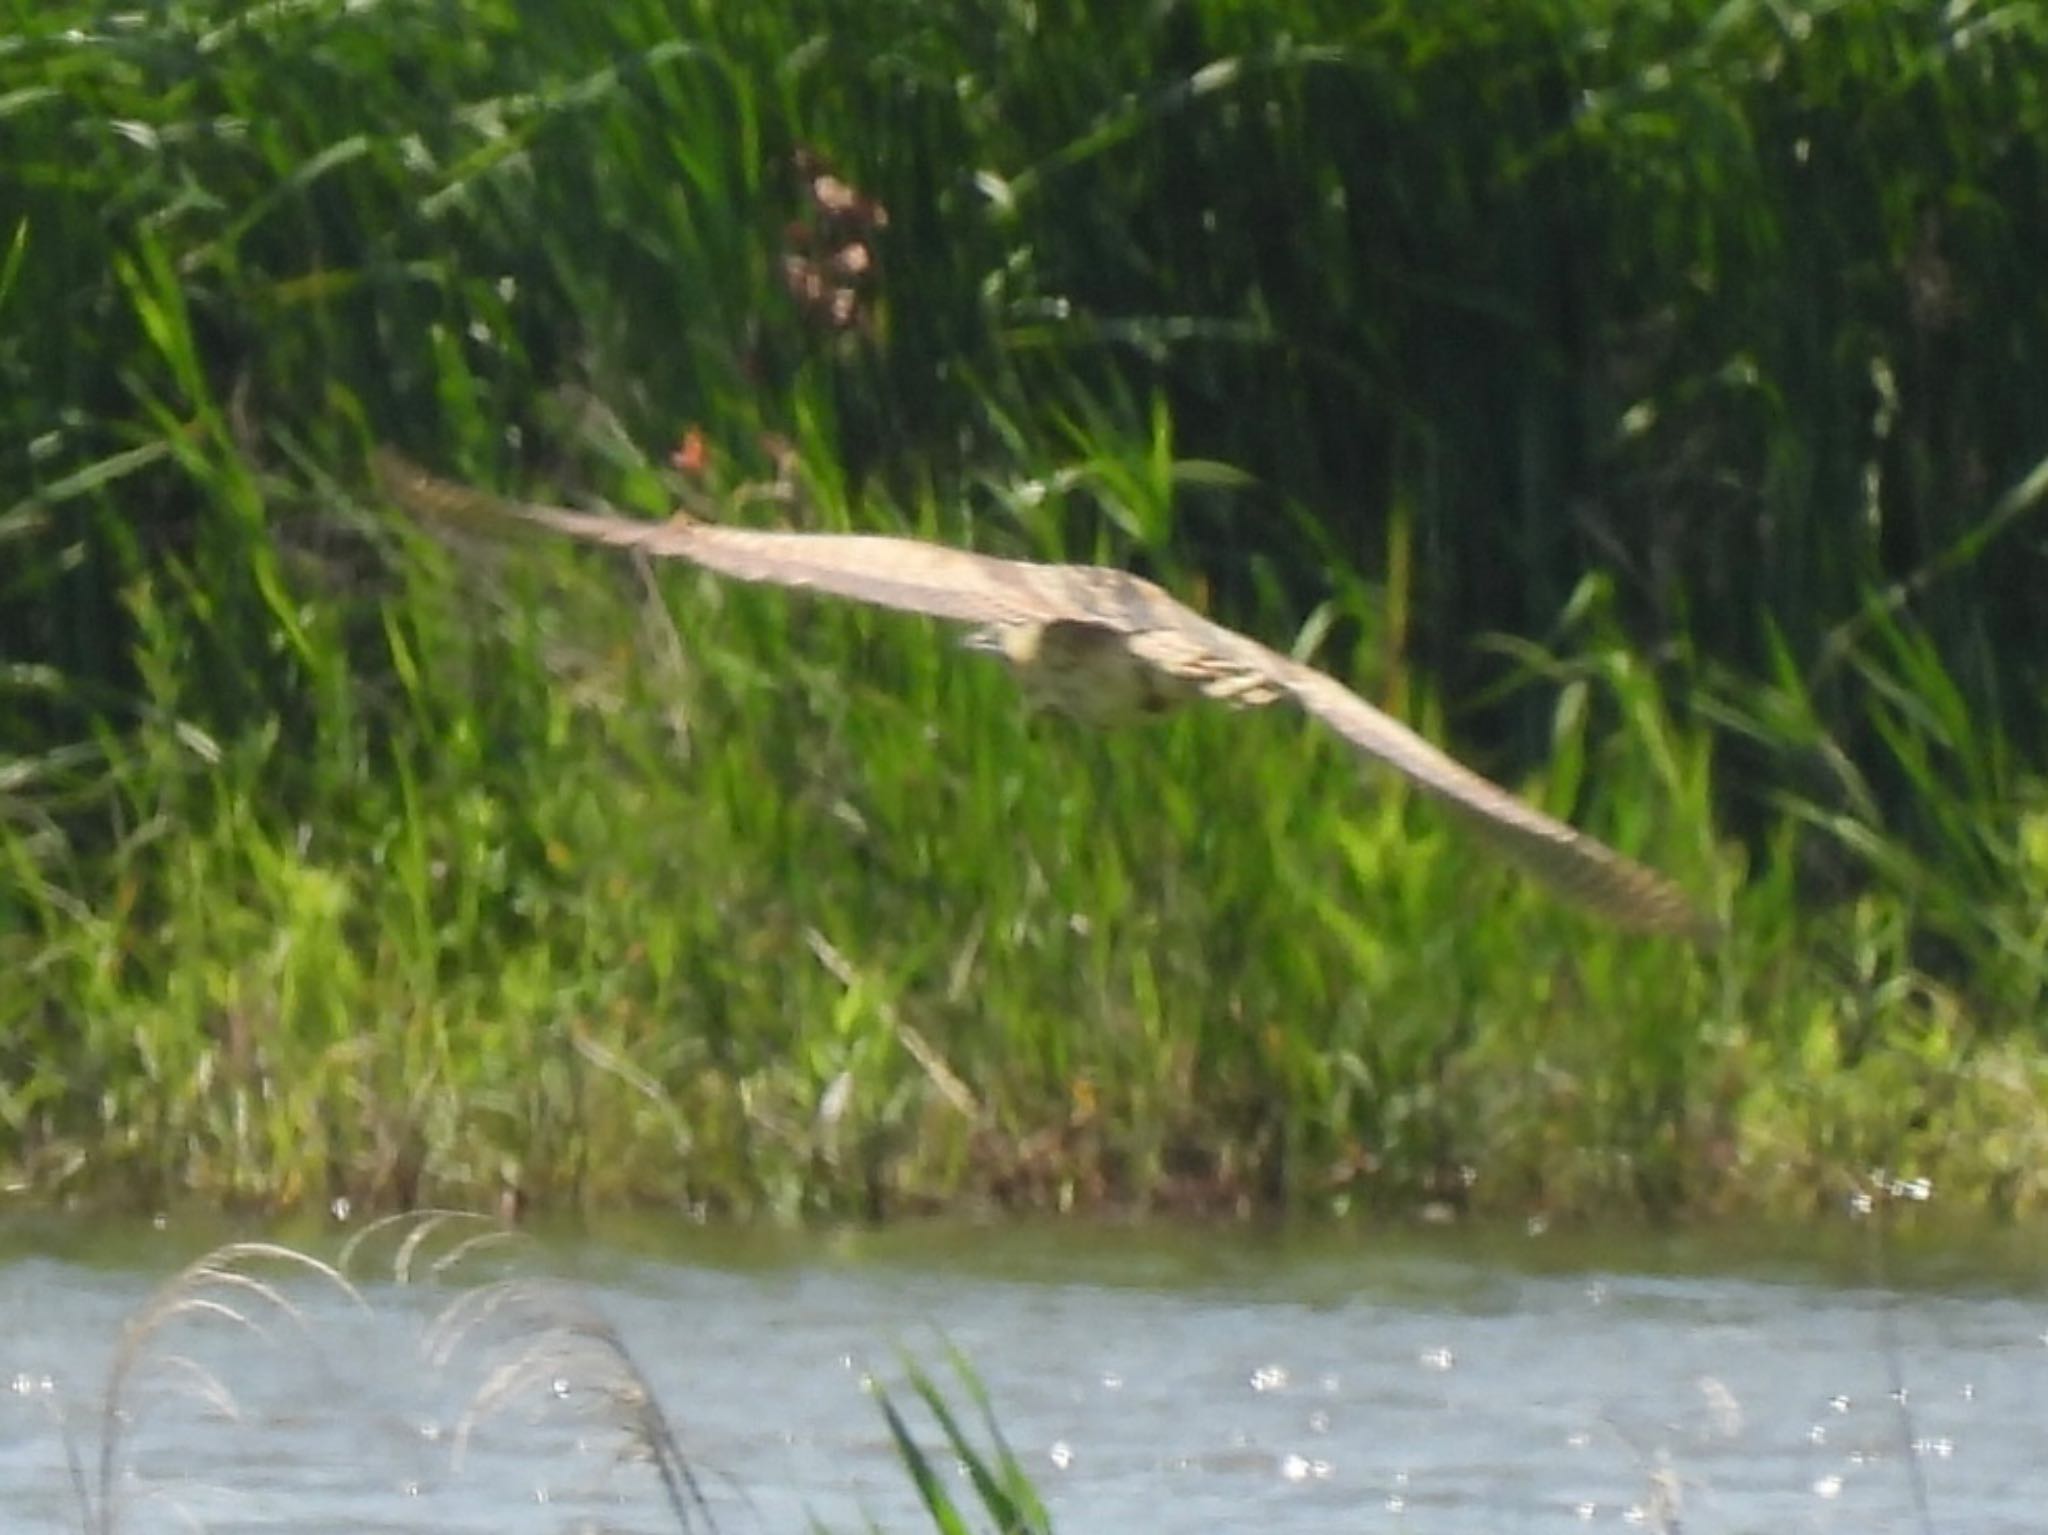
(1084, 672)
(1105, 647)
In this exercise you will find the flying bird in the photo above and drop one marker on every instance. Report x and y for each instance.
(1103, 646)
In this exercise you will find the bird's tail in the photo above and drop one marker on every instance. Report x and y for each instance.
(427, 495)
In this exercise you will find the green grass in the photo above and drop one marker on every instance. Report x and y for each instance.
(1002, 1487)
(1693, 345)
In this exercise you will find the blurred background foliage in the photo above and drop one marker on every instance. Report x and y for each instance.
(1648, 397)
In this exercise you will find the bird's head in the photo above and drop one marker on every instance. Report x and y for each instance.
(1016, 643)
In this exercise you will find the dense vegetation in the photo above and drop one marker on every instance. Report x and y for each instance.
(1648, 399)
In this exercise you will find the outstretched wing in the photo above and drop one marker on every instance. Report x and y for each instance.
(1225, 664)
(903, 573)
(919, 577)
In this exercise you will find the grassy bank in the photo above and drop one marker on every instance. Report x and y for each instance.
(1699, 345)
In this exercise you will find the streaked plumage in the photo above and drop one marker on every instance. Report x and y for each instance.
(1102, 645)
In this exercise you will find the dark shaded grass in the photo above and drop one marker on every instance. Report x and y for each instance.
(339, 865)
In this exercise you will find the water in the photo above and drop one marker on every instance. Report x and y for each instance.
(1150, 1381)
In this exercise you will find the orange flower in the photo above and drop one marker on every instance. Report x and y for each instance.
(692, 455)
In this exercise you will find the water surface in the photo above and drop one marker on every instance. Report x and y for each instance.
(1168, 1381)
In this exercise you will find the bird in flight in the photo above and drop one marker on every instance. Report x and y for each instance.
(1103, 646)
